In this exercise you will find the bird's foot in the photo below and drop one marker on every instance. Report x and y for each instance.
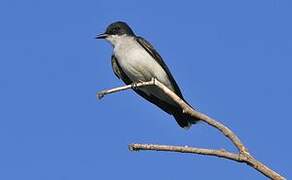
(153, 79)
(134, 84)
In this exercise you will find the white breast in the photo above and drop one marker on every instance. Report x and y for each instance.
(139, 65)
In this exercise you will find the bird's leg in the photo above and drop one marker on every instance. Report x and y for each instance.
(153, 79)
(134, 84)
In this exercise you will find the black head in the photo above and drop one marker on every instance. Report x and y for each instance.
(117, 28)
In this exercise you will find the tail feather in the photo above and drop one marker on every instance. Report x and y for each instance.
(184, 120)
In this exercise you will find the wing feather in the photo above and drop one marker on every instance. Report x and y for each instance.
(150, 49)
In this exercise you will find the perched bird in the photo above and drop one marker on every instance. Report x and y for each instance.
(134, 60)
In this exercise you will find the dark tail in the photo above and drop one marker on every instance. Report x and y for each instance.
(184, 120)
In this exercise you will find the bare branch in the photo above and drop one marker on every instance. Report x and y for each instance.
(101, 94)
(185, 149)
(242, 156)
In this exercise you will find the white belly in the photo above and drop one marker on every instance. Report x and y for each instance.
(138, 65)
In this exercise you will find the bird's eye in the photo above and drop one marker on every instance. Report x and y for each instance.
(116, 30)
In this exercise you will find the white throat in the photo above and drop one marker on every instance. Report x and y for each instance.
(116, 40)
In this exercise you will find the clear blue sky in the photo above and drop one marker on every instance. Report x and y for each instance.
(232, 60)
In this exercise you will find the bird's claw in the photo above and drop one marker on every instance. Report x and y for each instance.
(134, 85)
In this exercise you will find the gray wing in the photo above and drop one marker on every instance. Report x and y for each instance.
(115, 67)
(150, 49)
(119, 72)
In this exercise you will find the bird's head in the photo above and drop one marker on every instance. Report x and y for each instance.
(115, 31)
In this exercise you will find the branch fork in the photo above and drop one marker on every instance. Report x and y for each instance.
(242, 156)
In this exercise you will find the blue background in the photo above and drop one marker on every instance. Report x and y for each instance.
(232, 60)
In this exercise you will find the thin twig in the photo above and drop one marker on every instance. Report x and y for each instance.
(242, 156)
(101, 94)
(185, 149)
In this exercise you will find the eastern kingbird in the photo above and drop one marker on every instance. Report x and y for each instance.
(134, 59)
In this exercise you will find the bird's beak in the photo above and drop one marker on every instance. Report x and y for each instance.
(101, 36)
